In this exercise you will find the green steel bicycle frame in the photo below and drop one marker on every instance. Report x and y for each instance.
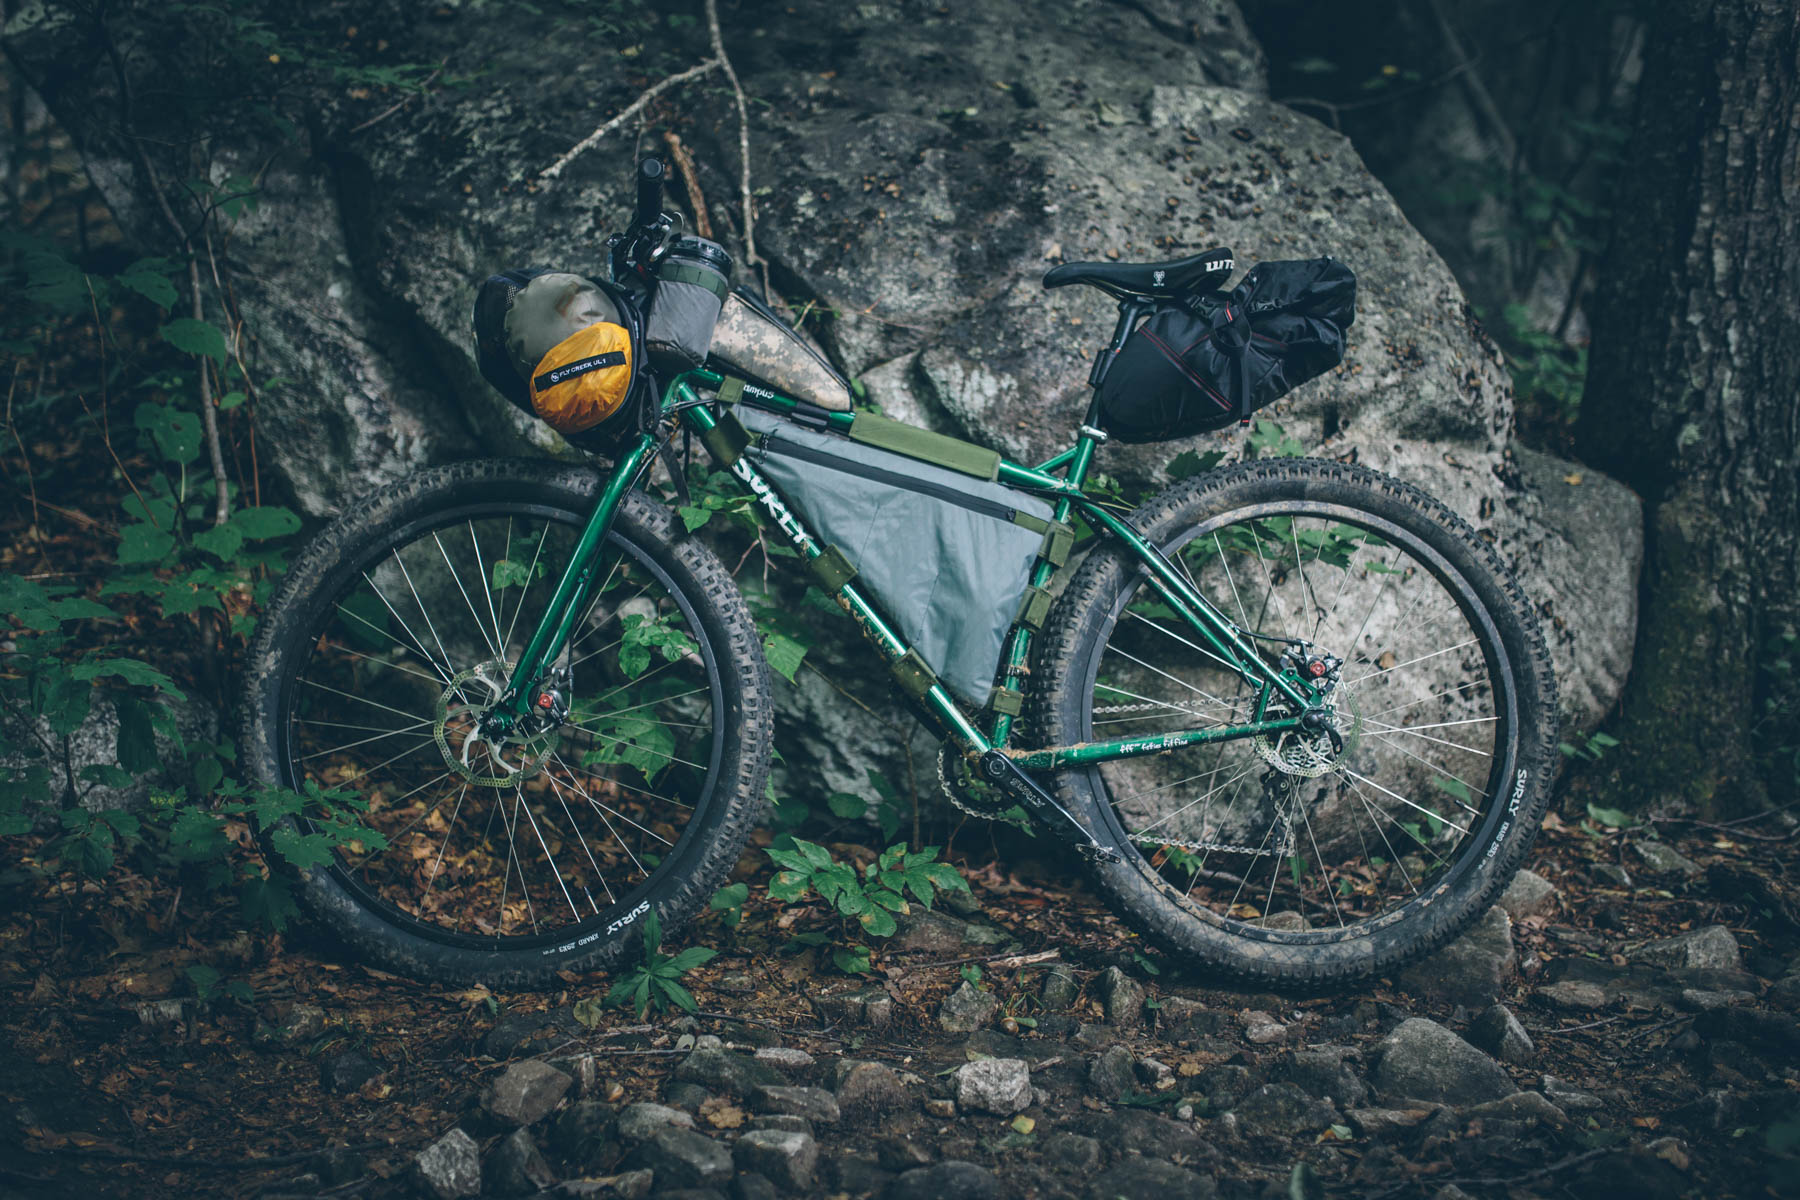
(1219, 637)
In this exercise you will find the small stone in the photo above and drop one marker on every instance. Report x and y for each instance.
(1322, 1072)
(1528, 895)
(949, 1180)
(815, 1104)
(1282, 1110)
(682, 1158)
(1567, 1097)
(1377, 1122)
(688, 1096)
(1123, 997)
(784, 1058)
(905, 1153)
(1072, 1151)
(751, 1186)
(1156, 1074)
(1261, 1028)
(450, 1167)
(1530, 1107)
(347, 1072)
(1671, 1150)
(1712, 948)
(944, 1109)
(967, 1009)
(1611, 873)
(1422, 1060)
(1498, 1032)
(1665, 859)
(1060, 987)
(865, 1006)
(1151, 1177)
(339, 1164)
(525, 1092)
(865, 1089)
(786, 1158)
(1111, 1075)
(1574, 995)
(302, 1023)
(936, 932)
(718, 1069)
(639, 1121)
(516, 1168)
(1001, 1086)
(784, 1121)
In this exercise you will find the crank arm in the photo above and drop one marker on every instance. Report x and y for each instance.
(1005, 774)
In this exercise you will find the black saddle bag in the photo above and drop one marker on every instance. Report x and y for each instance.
(1201, 362)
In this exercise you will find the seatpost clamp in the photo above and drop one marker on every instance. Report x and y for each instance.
(1099, 435)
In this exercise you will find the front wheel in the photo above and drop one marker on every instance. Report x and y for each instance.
(508, 860)
(1316, 859)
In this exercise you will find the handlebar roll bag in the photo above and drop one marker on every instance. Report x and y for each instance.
(565, 348)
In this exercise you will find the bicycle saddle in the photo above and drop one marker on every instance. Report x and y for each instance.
(1202, 272)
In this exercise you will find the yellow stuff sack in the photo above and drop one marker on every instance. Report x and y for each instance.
(584, 379)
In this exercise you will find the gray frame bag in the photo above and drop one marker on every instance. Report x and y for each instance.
(946, 553)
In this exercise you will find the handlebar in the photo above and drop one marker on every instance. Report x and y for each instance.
(650, 176)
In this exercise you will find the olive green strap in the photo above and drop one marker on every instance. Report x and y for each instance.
(832, 569)
(1058, 542)
(1007, 702)
(1033, 608)
(872, 429)
(726, 441)
(682, 273)
(915, 678)
(730, 391)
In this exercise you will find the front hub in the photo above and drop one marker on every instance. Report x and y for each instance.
(473, 747)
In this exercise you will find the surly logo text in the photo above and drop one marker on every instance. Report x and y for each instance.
(629, 917)
(1512, 810)
(769, 500)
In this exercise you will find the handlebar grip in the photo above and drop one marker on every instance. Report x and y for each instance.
(650, 176)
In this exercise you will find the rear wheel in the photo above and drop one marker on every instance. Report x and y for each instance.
(1321, 857)
(507, 860)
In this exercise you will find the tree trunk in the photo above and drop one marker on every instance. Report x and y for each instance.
(1694, 397)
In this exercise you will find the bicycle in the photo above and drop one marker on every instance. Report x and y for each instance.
(1293, 715)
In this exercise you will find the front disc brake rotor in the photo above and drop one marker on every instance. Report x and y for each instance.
(470, 753)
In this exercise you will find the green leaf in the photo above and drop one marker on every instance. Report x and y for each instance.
(143, 544)
(693, 956)
(847, 805)
(175, 431)
(303, 852)
(783, 653)
(268, 521)
(192, 336)
(694, 518)
(131, 671)
(590, 1011)
(204, 979)
(730, 896)
(267, 901)
(220, 541)
(788, 886)
(231, 400)
(1611, 817)
(147, 277)
(851, 960)
(878, 922)
(681, 996)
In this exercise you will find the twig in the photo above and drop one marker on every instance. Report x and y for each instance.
(209, 418)
(1483, 99)
(636, 106)
(24, 454)
(1577, 1028)
(107, 439)
(1005, 962)
(737, 89)
(403, 102)
(684, 162)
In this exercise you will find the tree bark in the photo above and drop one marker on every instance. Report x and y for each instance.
(1694, 397)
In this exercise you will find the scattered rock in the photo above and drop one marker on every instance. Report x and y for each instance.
(1282, 1110)
(1060, 987)
(1711, 948)
(967, 1009)
(1531, 1107)
(449, 1167)
(751, 1186)
(1155, 1074)
(1001, 1086)
(682, 1158)
(1472, 970)
(787, 1159)
(1180, 1019)
(936, 932)
(1610, 873)
(518, 1034)
(526, 1092)
(943, 1109)
(867, 1088)
(1123, 997)
(640, 1121)
(1322, 1072)
(1377, 1122)
(345, 1073)
(1665, 859)
(786, 1121)
(1263, 1029)
(866, 1006)
(1149, 1177)
(1422, 1060)
(1568, 1098)
(516, 1168)
(1528, 895)
(1072, 1151)
(784, 1058)
(1111, 1075)
(1573, 995)
(722, 1070)
(814, 1104)
(303, 1023)
(586, 1133)
(1131, 1130)
(1499, 1033)
(949, 1180)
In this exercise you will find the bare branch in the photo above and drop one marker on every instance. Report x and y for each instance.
(737, 89)
(684, 162)
(630, 110)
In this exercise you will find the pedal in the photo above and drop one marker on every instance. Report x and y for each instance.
(1003, 773)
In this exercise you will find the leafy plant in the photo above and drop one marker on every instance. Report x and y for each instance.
(871, 897)
(730, 901)
(1589, 749)
(1269, 440)
(653, 983)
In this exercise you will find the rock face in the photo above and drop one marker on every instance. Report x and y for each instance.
(917, 203)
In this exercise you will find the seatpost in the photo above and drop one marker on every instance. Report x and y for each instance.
(1130, 309)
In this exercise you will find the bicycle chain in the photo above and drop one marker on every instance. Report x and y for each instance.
(1221, 847)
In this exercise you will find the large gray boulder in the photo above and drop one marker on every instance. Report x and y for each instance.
(917, 171)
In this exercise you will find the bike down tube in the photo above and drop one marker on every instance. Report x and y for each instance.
(891, 646)
(575, 588)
